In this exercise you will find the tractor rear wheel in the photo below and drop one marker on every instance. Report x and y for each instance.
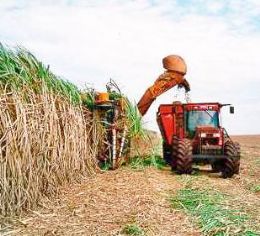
(167, 152)
(174, 153)
(182, 156)
(231, 163)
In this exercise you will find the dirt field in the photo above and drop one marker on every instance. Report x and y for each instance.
(114, 201)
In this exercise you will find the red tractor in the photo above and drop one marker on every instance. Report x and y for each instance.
(192, 134)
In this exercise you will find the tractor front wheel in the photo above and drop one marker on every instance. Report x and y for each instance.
(231, 163)
(216, 166)
(182, 156)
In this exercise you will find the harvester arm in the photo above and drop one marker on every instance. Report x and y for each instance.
(165, 81)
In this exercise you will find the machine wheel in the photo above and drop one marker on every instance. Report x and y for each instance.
(216, 166)
(182, 154)
(231, 164)
(167, 152)
(174, 153)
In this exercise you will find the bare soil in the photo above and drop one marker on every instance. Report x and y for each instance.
(106, 203)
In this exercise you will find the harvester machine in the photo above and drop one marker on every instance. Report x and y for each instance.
(110, 108)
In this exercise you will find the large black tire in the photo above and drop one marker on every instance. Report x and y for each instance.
(167, 153)
(231, 163)
(182, 156)
(174, 153)
(216, 166)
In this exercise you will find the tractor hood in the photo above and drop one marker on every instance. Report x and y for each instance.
(208, 132)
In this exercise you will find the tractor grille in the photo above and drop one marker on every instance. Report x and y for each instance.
(211, 150)
(209, 140)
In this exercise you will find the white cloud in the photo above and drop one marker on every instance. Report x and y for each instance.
(127, 40)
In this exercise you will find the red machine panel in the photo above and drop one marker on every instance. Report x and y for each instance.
(170, 121)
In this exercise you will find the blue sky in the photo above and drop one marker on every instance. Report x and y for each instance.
(89, 42)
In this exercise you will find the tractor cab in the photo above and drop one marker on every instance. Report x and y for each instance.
(202, 126)
(201, 115)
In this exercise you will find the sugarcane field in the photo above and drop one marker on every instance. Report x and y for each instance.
(129, 118)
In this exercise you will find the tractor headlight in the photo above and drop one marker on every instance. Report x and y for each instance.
(216, 135)
(203, 135)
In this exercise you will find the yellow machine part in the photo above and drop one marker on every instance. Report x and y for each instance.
(102, 97)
